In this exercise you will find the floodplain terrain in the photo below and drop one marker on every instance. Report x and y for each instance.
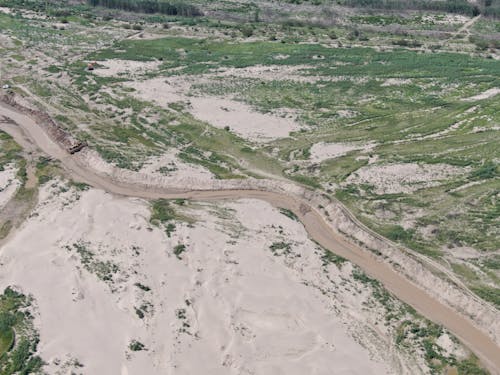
(391, 114)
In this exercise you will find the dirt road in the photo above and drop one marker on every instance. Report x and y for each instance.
(315, 224)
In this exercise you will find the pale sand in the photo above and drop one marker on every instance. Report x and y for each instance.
(116, 67)
(395, 82)
(405, 177)
(347, 113)
(8, 184)
(484, 95)
(146, 35)
(268, 73)
(450, 347)
(174, 168)
(6, 10)
(480, 129)
(323, 151)
(462, 252)
(218, 112)
(242, 119)
(248, 310)
(447, 19)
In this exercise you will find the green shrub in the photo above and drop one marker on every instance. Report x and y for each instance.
(398, 233)
(136, 346)
(143, 287)
(179, 249)
(288, 213)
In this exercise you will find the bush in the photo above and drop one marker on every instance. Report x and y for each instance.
(136, 346)
(179, 249)
(332, 34)
(142, 287)
(247, 31)
(398, 233)
(407, 43)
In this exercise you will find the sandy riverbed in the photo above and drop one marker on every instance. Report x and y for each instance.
(227, 306)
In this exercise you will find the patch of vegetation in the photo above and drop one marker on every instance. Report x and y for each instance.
(424, 334)
(399, 234)
(163, 212)
(5, 229)
(145, 308)
(24, 194)
(486, 171)
(80, 186)
(221, 166)
(104, 270)
(18, 338)
(10, 151)
(492, 262)
(330, 258)
(179, 249)
(470, 366)
(136, 346)
(281, 248)
(305, 180)
(288, 213)
(46, 170)
(181, 314)
(142, 287)
(489, 294)
(139, 313)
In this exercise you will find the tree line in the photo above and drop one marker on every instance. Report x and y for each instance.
(491, 8)
(150, 6)
(488, 8)
(450, 6)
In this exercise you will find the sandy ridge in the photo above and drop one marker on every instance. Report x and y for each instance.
(303, 202)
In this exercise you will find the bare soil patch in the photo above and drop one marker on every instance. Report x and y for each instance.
(404, 178)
